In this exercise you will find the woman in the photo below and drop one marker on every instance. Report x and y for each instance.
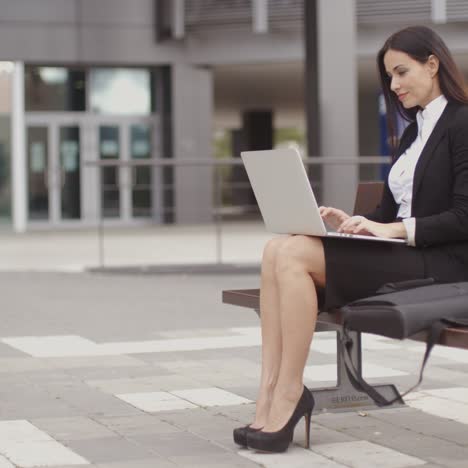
(425, 201)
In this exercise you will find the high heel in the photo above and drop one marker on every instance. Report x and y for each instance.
(240, 434)
(279, 441)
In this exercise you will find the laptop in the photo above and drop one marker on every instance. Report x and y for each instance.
(285, 197)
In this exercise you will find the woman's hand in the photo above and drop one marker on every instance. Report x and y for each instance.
(333, 216)
(363, 226)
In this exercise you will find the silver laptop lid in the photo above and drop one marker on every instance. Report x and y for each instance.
(283, 192)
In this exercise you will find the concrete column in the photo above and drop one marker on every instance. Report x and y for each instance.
(260, 16)
(192, 117)
(338, 98)
(18, 151)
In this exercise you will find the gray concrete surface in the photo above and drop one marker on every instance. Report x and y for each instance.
(82, 354)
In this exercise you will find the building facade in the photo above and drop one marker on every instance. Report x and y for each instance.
(116, 81)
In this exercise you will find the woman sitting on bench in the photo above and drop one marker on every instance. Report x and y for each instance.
(425, 201)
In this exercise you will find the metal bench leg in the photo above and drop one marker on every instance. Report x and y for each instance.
(344, 397)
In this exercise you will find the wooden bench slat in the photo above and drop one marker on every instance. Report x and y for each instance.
(250, 298)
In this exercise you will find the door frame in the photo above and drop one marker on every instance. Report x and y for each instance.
(90, 181)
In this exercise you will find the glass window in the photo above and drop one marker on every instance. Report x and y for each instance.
(38, 172)
(121, 91)
(6, 71)
(55, 89)
(109, 148)
(140, 148)
(69, 148)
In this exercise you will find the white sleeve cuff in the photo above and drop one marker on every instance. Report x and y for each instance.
(410, 226)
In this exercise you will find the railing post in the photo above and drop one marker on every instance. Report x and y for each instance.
(218, 216)
(100, 220)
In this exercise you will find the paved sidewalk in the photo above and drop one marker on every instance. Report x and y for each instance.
(76, 250)
(119, 371)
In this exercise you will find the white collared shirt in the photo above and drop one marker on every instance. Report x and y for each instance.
(401, 176)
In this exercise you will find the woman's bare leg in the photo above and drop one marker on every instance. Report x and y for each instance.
(300, 266)
(271, 330)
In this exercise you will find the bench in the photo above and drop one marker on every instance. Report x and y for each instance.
(344, 397)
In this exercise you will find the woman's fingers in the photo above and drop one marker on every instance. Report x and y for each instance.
(326, 212)
(351, 223)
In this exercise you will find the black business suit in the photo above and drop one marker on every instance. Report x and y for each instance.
(440, 207)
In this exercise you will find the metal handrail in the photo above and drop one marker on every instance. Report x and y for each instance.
(162, 162)
(218, 183)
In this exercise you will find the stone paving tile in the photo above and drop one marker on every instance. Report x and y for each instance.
(196, 416)
(22, 364)
(72, 397)
(45, 376)
(4, 463)
(324, 435)
(295, 457)
(452, 354)
(247, 391)
(420, 445)
(456, 366)
(111, 373)
(153, 402)
(364, 454)
(442, 407)
(106, 450)
(25, 445)
(6, 351)
(77, 428)
(214, 368)
(211, 397)
(89, 401)
(188, 333)
(424, 423)
(328, 372)
(459, 394)
(216, 428)
(134, 425)
(54, 345)
(26, 401)
(156, 462)
(236, 413)
(215, 461)
(144, 384)
(181, 443)
(87, 362)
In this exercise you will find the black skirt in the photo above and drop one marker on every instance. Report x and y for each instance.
(357, 268)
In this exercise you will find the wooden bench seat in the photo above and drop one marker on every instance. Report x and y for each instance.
(250, 298)
(343, 396)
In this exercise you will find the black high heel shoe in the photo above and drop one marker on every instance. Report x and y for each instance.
(240, 434)
(279, 441)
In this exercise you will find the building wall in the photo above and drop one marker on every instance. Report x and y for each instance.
(122, 32)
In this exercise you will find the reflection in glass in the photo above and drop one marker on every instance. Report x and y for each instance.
(69, 151)
(109, 148)
(55, 89)
(6, 71)
(5, 183)
(120, 91)
(38, 191)
(140, 148)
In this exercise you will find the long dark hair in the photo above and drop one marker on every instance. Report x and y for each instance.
(419, 42)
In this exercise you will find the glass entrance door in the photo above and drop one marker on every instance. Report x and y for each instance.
(70, 172)
(110, 149)
(128, 191)
(63, 189)
(38, 172)
(54, 172)
(142, 176)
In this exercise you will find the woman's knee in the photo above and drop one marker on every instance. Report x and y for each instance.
(271, 249)
(300, 253)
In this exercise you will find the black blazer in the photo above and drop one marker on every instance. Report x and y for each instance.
(440, 187)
